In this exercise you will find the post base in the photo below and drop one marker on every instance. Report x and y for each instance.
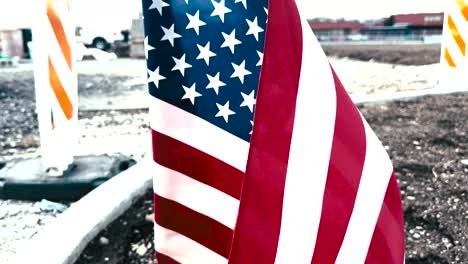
(25, 180)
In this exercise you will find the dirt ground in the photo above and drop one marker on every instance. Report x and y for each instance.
(410, 54)
(427, 140)
(128, 240)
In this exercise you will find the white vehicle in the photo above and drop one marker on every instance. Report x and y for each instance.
(98, 38)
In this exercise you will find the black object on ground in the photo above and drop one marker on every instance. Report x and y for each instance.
(24, 179)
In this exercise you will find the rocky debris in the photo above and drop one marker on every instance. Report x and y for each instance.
(19, 222)
(103, 241)
(130, 236)
(149, 218)
(140, 249)
(428, 142)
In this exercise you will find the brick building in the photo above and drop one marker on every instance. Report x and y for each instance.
(326, 29)
(401, 26)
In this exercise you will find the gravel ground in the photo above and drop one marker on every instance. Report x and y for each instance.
(427, 140)
(19, 222)
(103, 123)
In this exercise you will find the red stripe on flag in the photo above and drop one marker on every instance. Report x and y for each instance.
(178, 156)
(163, 259)
(388, 241)
(258, 225)
(344, 173)
(198, 227)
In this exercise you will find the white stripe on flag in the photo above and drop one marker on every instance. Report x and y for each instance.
(375, 177)
(182, 249)
(198, 133)
(195, 195)
(309, 155)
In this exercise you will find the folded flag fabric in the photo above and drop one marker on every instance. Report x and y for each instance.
(304, 181)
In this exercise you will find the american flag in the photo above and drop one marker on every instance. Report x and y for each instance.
(311, 183)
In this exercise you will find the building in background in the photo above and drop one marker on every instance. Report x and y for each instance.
(335, 30)
(421, 27)
(424, 24)
(408, 27)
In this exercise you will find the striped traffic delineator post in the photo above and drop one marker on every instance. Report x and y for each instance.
(454, 44)
(56, 84)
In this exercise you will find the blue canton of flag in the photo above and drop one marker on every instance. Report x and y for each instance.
(205, 56)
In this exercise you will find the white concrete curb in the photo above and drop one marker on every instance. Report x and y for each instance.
(62, 241)
(363, 99)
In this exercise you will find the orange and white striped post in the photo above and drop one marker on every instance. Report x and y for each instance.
(454, 60)
(56, 84)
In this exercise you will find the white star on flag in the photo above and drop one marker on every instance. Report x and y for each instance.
(195, 22)
(215, 83)
(169, 34)
(220, 9)
(158, 4)
(181, 65)
(260, 58)
(249, 100)
(205, 53)
(244, 2)
(224, 111)
(147, 47)
(254, 29)
(230, 41)
(240, 71)
(190, 93)
(155, 77)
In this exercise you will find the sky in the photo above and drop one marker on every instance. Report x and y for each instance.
(118, 13)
